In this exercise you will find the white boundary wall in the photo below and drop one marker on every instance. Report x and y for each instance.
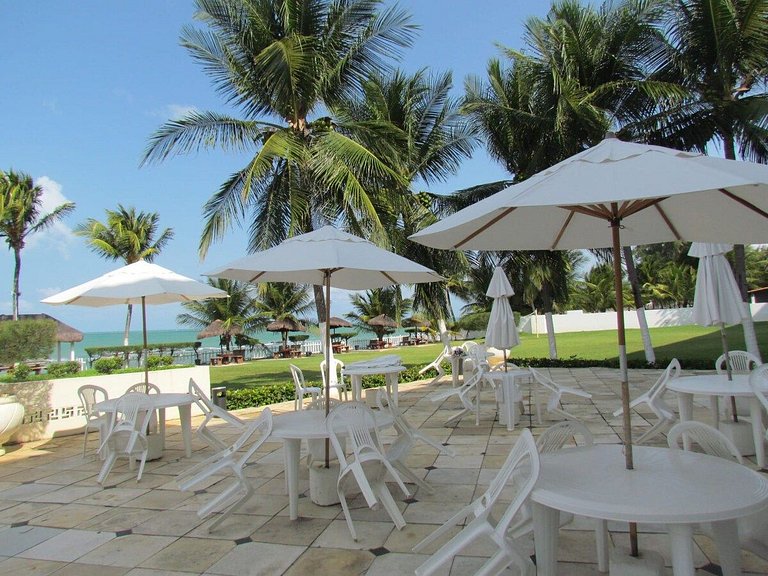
(52, 407)
(579, 321)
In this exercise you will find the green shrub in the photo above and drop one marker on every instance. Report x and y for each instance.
(20, 372)
(26, 339)
(59, 369)
(154, 362)
(260, 396)
(107, 365)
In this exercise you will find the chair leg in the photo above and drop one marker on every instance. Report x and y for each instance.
(410, 475)
(85, 439)
(389, 504)
(107, 466)
(248, 492)
(347, 516)
(654, 431)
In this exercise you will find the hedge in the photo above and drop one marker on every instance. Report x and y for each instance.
(259, 396)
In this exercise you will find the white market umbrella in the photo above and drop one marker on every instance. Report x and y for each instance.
(717, 299)
(138, 283)
(331, 258)
(502, 331)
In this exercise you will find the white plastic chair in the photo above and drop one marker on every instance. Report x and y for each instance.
(94, 420)
(155, 420)
(211, 411)
(556, 392)
(336, 381)
(655, 401)
(128, 433)
(368, 467)
(522, 467)
(302, 389)
(231, 461)
(710, 440)
(558, 435)
(407, 436)
(468, 394)
(742, 362)
(144, 388)
(445, 353)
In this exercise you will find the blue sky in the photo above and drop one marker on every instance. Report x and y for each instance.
(87, 83)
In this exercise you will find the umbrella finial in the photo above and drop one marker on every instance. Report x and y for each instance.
(610, 135)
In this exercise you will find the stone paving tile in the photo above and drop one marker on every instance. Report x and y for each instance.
(68, 545)
(21, 538)
(331, 561)
(258, 559)
(75, 569)
(169, 523)
(127, 551)
(29, 567)
(65, 494)
(69, 515)
(189, 555)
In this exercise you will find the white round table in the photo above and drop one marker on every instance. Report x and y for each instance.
(671, 487)
(714, 386)
(390, 371)
(292, 428)
(160, 402)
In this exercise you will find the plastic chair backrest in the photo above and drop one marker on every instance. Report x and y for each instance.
(385, 404)
(556, 436)
(711, 440)
(445, 338)
(544, 381)
(660, 386)
(359, 423)
(758, 380)
(742, 362)
(127, 411)
(144, 388)
(90, 395)
(261, 425)
(336, 365)
(319, 403)
(298, 378)
(202, 401)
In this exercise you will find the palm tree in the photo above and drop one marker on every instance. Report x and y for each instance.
(583, 71)
(287, 65)
(20, 216)
(239, 309)
(283, 301)
(719, 56)
(125, 235)
(388, 301)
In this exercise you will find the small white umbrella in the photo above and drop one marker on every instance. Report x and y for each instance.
(138, 283)
(717, 300)
(327, 257)
(502, 331)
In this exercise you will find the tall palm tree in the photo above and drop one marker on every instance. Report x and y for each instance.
(20, 216)
(719, 56)
(125, 235)
(240, 309)
(583, 71)
(283, 301)
(287, 65)
(388, 301)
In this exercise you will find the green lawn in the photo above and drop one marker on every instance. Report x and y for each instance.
(692, 343)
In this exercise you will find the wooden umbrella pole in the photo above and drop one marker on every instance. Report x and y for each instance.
(327, 369)
(144, 330)
(728, 369)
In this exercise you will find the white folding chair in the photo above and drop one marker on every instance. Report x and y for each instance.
(94, 420)
(709, 439)
(742, 362)
(368, 466)
(558, 435)
(157, 421)
(231, 461)
(556, 392)
(521, 468)
(144, 388)
(302, 389)
(654, 399)
(128, 433)
(445, 353)
(211, 411)
(407, 436)
(337, 381)
(468, 394)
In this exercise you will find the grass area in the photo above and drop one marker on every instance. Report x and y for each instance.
(687, 343)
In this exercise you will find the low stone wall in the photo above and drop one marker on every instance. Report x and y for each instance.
(52, 407)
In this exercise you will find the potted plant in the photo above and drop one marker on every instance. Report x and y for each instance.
(19, 341)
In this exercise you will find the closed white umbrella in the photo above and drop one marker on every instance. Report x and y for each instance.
(717, 300)
(138, 283)
(327, 257)
(502, 330)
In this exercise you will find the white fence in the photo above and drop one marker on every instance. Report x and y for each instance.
(580, 321)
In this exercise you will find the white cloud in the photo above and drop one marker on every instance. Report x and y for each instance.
(58, 237)
(178, 111)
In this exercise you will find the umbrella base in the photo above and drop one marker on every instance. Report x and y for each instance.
(322, 483)
(648, 563)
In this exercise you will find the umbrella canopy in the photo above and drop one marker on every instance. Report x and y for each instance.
(502, 330)
(328, 257)
(382, 320)
(336, 322)
(138, 283)
(284, 326)
(645, 194)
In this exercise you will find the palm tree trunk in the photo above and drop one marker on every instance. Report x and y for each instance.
(319, 302)
(634, 282)
(547, 305)
(16, 274)
(127, 324)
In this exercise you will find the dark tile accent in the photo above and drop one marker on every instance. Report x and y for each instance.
(712, 569)
(243, 540)
(379, 551)
(196, 492)
(19, 524)
(430, 468)
(410, 500)
(123, 533)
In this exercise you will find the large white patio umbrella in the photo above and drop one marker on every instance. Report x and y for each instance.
(331, 258)
(502, 330)
(717, 300)
(138, 283)
(641, 194)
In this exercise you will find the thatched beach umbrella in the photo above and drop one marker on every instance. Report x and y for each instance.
(224, 329)
(284, 326)
(416, 323)
(381, 324)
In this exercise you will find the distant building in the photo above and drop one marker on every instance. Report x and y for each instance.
(758, 295)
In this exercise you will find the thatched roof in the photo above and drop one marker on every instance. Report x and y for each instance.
(336, 322)
(382, 320)
(64, 332)
(285, 325)
(417, 322)
(216, 328)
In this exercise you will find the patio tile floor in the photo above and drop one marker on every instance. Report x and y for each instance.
(55, 519)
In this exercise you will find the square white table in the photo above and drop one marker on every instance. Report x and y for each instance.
(389, 368)
(672, 487)
(714, 386)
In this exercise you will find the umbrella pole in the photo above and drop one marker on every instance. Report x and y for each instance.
(728, 369)
(144, 330)
(615, 233)
(327, 339)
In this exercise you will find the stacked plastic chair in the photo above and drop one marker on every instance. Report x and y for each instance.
(127, 435)
(302, 389)
(337, 382)
(556, 392)
(94, 420)
(211, 411)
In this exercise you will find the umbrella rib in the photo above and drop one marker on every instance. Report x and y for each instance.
(744, 202)
(668, 222)
(484, 227)
(388, 277)
(562, 229)
(593, 210)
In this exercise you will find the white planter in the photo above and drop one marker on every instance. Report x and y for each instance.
(740, 433)
(371, 394)
(322, 483)
(11, 415)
